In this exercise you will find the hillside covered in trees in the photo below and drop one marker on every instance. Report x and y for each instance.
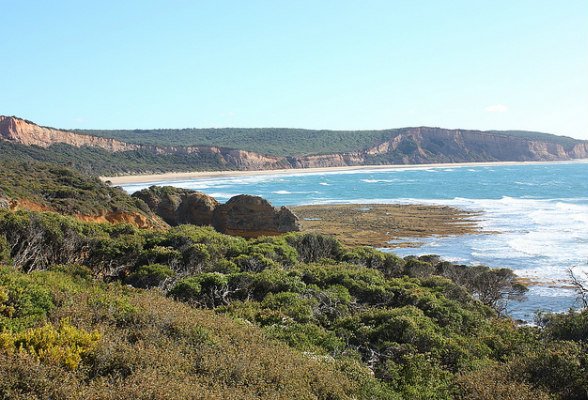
(289, 142)
(152, 151)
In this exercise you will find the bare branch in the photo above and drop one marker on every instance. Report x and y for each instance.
(580, 287)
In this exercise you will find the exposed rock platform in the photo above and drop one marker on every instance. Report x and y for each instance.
(379, 224)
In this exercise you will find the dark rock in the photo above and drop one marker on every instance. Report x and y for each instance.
(243, 215)
(197, 208)
(252, 216)
(287, 220)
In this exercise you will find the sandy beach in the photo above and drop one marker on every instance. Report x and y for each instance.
(176, 176)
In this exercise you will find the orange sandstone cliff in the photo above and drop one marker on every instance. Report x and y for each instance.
(405, 146)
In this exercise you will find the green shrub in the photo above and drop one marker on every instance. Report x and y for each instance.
(155, 254)
(307, 337)
(257, 285)
(208, 289)
(187, 289)
(389, 264)
(74, 270)
(312, 247)
(275, 248)
(4, 249)
(572, 325)
(254, 262)
(23, 302)
(416, 268)
(496, 382)
(149, 275)
(224, 267)
(292, 305)
(560, 367)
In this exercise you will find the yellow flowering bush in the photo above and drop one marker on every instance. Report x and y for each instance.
(64, 345)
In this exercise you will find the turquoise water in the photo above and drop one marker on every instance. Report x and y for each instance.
(540, 212)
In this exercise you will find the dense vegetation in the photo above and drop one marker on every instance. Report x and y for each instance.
(99, 162)
(565, 141)
(273, 141)
(65, 336)
(62, 189)
(425, 329)
(283, 141)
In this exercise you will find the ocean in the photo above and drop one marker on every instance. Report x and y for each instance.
(534, 217)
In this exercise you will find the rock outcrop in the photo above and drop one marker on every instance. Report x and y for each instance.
(179, 206)
(243, 215)
(197, 208)
(252, 216)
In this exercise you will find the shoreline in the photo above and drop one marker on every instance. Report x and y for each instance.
(176, 176)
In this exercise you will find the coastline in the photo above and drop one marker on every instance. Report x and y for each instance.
(176, 176)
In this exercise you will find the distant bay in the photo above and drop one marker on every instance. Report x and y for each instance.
(540, 211)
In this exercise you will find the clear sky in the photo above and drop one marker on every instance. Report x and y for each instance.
(479, 64)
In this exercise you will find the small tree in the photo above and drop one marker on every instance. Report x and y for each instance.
(580, 286)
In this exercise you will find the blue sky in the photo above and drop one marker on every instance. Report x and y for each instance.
(479, 64)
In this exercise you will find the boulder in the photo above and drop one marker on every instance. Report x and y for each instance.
(179, 206)
(252, 216)
(197, 208)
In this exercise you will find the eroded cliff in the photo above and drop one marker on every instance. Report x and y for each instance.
(401, 146)
(21, 131)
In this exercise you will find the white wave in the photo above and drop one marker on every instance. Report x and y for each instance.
(547, 291)
(222, 195)
(379, 180)
(282, 192)
(539, 238)
(324, 184)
